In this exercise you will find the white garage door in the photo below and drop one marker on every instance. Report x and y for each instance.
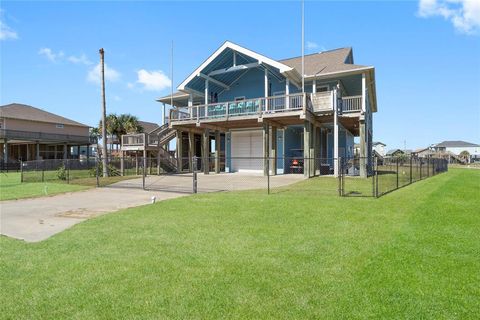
(245, 146)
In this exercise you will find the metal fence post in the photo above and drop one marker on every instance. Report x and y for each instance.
(143, 173)
(374, 165)
(68, 170)
(340, 176)
(411, 169)
(96, 172)
(21, 170)
(376, 182)
(397, 171)
(268, 175)
(195, 178)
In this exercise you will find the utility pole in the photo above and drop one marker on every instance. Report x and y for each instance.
(104, 116)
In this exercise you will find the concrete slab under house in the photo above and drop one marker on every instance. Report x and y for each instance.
(254, 108)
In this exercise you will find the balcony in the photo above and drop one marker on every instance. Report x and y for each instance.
(318, 103)
(256, 107)
(44, 137)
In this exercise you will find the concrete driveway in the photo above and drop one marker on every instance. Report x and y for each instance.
(37, 219)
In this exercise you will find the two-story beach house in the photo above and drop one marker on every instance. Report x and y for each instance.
(255, 108)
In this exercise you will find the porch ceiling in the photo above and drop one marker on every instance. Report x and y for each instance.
(224, 61)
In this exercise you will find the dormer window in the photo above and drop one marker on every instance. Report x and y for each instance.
(59, 125)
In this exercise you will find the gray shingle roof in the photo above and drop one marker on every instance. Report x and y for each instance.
(26, 112)
(148, 126)
(456, 144)
(323, 62)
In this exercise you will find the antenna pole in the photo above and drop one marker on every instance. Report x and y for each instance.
(104, 116)
(303, 46)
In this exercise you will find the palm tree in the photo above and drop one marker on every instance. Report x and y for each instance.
(118, 125)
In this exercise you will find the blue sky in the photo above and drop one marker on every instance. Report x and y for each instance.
(426, 54)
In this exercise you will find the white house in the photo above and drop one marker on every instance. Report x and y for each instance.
(457, 147)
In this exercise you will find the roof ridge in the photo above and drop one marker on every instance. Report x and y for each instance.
(315, 53)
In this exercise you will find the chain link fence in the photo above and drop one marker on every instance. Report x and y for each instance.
(357, 176)
(382, 176)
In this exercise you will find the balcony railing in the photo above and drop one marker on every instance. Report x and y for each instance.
(351, 104)
(43, 136)
(253, 107)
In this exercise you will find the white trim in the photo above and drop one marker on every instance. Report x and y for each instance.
(279, 93)
(326, 75)
(229, 45)
(235, 68)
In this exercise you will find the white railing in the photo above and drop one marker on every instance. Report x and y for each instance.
(137, 139)
(351, 104)
(254, 107)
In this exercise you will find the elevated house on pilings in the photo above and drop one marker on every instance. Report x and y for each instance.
(254, 107)
(29, 133)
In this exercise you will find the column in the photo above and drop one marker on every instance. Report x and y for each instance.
(287, 93)
(266, 88)
(306, 149)
(266, 148)
(363, 149)
(206, 151)
(179, 151)
(55, 151)
(274, 155)
(217, 151)
(65, 151)
(28, 152)
(37, 151)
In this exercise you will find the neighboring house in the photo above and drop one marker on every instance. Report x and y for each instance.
(147, 127)
(29, 133)
(253, 107)
(457, 147)
(379, 147)
(422, 152)
(395, 153)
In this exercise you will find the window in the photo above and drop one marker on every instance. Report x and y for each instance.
(59, 126)
(322, 88)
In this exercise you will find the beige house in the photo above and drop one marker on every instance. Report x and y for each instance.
(29, 133)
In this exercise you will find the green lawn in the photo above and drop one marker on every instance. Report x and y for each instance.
(413, 253)
(12, 188)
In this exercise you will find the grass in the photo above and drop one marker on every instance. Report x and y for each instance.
(11, 188)
(413, 253)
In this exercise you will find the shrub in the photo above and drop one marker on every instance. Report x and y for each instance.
(62, 172)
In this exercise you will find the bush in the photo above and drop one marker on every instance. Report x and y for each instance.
(62, 172)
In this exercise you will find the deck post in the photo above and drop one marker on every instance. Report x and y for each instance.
(287, 93)
(179, 151)
(37, 147)
(217, 151)
(313, 149)
(266, 88)
(306, 149)
(274, 154)
(55, 151)
(266, 148)
(363, 149)
(191, 153)
(65, 151)
(335, 134)
(206, 151)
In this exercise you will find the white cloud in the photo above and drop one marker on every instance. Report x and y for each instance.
(50, 55)
(153, 80)
(94, 74)
(6, 32)
(464, 14)
(82, 59)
